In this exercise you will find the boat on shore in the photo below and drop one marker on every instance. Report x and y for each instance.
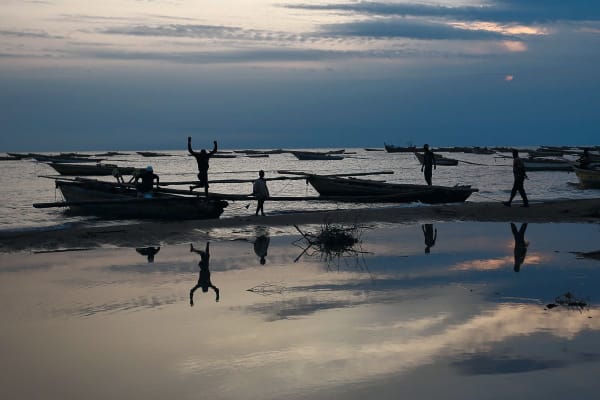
(588, 178)
(439, 160)
(364, 190)
(65, 159)
(90, 169)
(120, 201)
(313, 155)
(152, 154)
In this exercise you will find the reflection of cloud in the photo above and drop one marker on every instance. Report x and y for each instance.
(390, 351)
(29, 34)
(495, 263)
(486, 365)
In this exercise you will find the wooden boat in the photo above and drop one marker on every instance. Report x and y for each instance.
(439, 160)
(89, 169)
(313, 155)
(546, 164)
(111, 153)
(390, 148)
(110, 200)
(358, 190)
(152, 154)
(589, 178)
(65, 159)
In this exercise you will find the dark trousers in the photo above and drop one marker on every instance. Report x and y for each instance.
(518, 187)
(428, 174)
(203, 180)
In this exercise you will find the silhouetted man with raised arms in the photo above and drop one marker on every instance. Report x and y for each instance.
(202, 158)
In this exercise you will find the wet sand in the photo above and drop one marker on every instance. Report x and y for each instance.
(148, 233)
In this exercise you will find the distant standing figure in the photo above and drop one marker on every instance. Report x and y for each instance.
(430, 236)
(585, 159)
(148, 177)
(204, 278)
(202, 158)
(520, 175)
(261, 191)
(428, 163)
(520, 245)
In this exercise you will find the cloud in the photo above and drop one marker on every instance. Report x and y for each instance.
(29, 34)
(506, 11)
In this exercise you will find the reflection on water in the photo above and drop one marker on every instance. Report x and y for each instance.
(430, 236)
(204, 281)
(520, 245)
(261, 243)
(98, 324)
(149, 252)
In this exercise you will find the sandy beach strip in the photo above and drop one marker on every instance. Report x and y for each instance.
(149, 233)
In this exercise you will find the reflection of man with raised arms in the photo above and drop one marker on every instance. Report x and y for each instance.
(204, 278)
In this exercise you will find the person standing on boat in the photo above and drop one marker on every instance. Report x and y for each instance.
(145, 187)
(261, 191)
(428, 163)
(204, 277)
(202, 158)
(585, 160)
(520, 175)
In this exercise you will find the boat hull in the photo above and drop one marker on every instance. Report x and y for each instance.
(588, 178)
(360, 190)
(89, 170)
(117, 202)
(439, 160)
(547, 165)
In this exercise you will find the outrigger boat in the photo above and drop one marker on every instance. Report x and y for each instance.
(364, 190)
(313, 155)
(546, 164)
(90, 170)
(439, 160)
(120, 201)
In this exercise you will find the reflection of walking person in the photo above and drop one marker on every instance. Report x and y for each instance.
(428, 163)
(261, 245)
(202, 158)
(430, 236)
(204, 277)
(520, 244)
(261, 191)
(520, 175)
(149, 252)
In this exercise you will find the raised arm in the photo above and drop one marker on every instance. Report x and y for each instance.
(190, 150)
(214, 150)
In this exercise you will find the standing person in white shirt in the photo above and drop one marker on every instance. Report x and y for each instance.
(261, 191)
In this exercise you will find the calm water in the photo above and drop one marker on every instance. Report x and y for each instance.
(22, 186)
(383, 321)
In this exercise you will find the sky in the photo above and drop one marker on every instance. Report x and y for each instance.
(145, 74)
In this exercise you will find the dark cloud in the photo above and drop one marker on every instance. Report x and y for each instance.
(502, 11)
(409, 28)
(29, 34)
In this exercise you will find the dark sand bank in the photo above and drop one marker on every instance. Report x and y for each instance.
(149, 233)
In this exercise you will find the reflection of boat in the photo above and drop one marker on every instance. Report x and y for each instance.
(90, 169)
(439, 160)
(111, 200)
(390, 148)
(376, 191)
(546, 164)
(313, 155)
(589, 178)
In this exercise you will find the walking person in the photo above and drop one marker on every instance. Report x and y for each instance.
(261, 191)
(520, 175)
(428, 163)
(202, 158)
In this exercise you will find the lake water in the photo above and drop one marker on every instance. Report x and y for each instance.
(22, 185)
(448, 310)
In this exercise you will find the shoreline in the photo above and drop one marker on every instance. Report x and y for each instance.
(153, 232)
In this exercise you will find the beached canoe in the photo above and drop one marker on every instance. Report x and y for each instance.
(439, 160)
(66, 159)
(89, 169)
(390, 148)
(589, 178)
(114, 201)
(376, 191)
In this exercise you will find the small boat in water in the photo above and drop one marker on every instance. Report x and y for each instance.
(390, 148)
(120, 201)
(152, 154)
(313, 155)
(364, 190)
(89, 169)
(546, 164)
(439, 160)
(589, 178)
